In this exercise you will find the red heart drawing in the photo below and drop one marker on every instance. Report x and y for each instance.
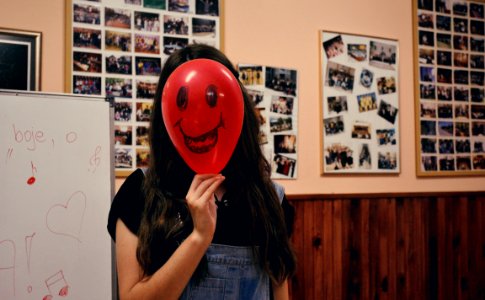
(67, 219)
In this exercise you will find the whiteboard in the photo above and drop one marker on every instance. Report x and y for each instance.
(56, 187)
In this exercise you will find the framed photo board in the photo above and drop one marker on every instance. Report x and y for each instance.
(449, 44)
(275, 94)
(118, 47)
(359, 104)
(20, 60)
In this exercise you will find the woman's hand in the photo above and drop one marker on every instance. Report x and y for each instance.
(200, 200)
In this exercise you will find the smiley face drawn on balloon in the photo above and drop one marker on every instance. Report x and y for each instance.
(203, 109)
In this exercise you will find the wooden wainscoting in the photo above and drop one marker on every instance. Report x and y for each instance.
(398, 246)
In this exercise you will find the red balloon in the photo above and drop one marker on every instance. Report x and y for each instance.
(203, 111)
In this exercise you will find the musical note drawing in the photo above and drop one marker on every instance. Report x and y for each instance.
(58, 283)
(95, 160)
(10, 265)
(28, 251)
(67, 219)
(31, 180)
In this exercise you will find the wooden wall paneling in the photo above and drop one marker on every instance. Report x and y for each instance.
(308, 234)
(328, 240)
(337, 248)
(364, 248)
(318, 249)
(297, 286)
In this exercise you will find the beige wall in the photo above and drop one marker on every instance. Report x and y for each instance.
(284, 33)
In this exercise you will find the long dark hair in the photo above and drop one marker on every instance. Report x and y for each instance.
(166, 221)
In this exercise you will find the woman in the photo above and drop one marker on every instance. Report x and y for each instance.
(202, 236)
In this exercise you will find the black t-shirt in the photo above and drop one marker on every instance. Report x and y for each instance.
(233, 221)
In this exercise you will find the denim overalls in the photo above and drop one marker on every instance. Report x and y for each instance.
(232, 274)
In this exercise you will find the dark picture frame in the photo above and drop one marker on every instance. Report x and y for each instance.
(20, 59)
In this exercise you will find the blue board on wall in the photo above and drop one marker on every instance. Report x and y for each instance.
(57, 183)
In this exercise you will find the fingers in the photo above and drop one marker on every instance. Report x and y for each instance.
(203, 186)
(198, 179)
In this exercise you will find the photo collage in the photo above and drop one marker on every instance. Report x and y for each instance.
(275, 94)
(360, 104)
(449, 47)
(118, 49)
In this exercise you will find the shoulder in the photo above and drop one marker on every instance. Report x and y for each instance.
(280, 191)
(128, 203)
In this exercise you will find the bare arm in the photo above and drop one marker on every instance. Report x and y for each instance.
(170, 280)
(280, 292)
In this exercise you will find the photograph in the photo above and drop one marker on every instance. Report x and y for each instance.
(446, 146)
(460, 25)
(365, 159)
(340, 77)
(175, 25)
(157, 4)
(87, 85)
(284, 143)
(386, 160)
(462, 146)
(382, 55)
(142, 136)
(123, 158)
(444, 75)
(426, 74)
(476, 10)
(460, 59)
(445, 111)
(150, 66)
(478, 147)
(478, 162)
(462, 129)
(477, 95)
(357, 52)
(337, 104)
(87, 62)
(145, 21)
(445, 93)
(427, 91)
(366, 78)
(463, 163)
(428, 145)
(387, 85)
(88, 14)
(123, 135)
(334, 125)
(171, 44)
(444, 58)
(460, 42)
(445, 128)
(478, 129)
(338, 157)
(477, 44)
(367, 102)
(462, 111)
(123, 111)
(426, 38)
(425, 4)
(425, 20)
(256, 96)
(281, 80)
(117, 17)
(428, 163)
(207, 7)
(251, 75)
(182, 6)
(203, 28)
(119, 87)
(143, 111)
(361, 130)
(477, 27)
(443, 40)
(284, 165)
(86, 38)
(447, 163)
(478, 112)
(428, 109)
(428, 127)
(443, 6)
(278, 124)
(119, 64)
(142, 158)
(145, 43)
(460, 77)
(117, 41)
(460, 8)
(386, 137)
(387, 111)
(477, 78)
(426, 56)
(20, 60)
(334, 47)
(443, 23)
(145, 89)
(263, 119)
(282, 105)
(477, 61)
